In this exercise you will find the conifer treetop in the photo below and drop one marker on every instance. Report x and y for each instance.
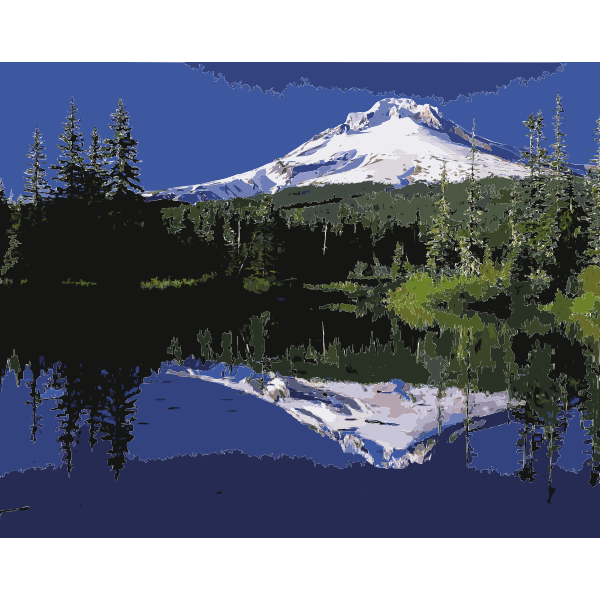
(96, 176)
(559, 155)
(70, 167)
(121, 152)
(35, 182)
(3, 197)
(594, 171)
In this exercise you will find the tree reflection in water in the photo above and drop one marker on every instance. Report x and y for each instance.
(95, 367)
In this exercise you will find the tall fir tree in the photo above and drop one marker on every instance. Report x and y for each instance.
(565, 243)
(593, 200)
(261, 263)
(470, 242)
(525, 209)
(70, 169)
(527, 184)
(14, 265)
(441, 248)
(539, 198)
(529, 155)
(75, 249)
(515, 240)
(3, 198)
(531, 235)
(123, 216)
(5, 222)
(36, 186)
(400, 264)
(542, 158)
(96, 176)
(121, 152)
(30, 219)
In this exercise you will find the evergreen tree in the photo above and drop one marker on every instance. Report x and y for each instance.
(397, 261)
(260, 264)
(31, 262)
(565, 242)
(123, 205)
(6, 218)
(515, 238)
(70, 169)
(232, 239)
(535, 126)
(529, 155)
(14, 267)
(122, 149)
(401, 266)
(3, 198)
(95, 173)
(470, 242)
(527, 235)
(537, 202)
(68, 251)
(593, 201)
(36, 186)
(441, 248)
(239, 241)
(542, 158)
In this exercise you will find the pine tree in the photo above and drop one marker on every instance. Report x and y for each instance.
(70, 169)
(401, 266)
(442, 246)
(398, 262)
(35, 183)
(95, 173)
(537, 230)
(529, 156)
(565, 245)
(542, 162)
(471, 241)
(121, 151)
(515, 238)
(263, 254)
(29, 220)
(593, 201)
(3, 198)
(229, 216)
(538, 193)
(123, 205)
(13, 266)
(6, 218)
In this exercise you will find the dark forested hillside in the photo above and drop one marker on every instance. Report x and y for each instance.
(96, 229)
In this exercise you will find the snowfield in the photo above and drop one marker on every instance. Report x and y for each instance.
(396, 142)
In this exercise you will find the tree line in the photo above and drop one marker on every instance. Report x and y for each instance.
(96, 225)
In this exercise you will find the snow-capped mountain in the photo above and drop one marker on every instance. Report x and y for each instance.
(396, 142)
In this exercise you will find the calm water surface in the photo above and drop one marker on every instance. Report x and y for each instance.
(168, 416)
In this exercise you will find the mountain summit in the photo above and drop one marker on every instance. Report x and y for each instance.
(395, 142)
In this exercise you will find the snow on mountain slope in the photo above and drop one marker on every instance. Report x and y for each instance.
(396, 142)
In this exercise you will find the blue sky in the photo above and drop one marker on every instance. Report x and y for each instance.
(193, 129)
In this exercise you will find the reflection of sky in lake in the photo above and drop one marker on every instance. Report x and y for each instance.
(179, 415)
(204, 423)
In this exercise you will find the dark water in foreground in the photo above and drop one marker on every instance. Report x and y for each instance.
(114, 431)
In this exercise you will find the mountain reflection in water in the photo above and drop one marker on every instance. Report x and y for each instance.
(378, 410)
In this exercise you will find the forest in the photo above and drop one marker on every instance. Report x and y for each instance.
(96, 229)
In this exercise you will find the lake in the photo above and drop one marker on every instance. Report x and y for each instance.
(172, 414)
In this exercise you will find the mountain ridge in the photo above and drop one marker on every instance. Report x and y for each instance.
(396, 142)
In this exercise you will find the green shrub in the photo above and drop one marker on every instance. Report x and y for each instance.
(176, 283)
(257, 285)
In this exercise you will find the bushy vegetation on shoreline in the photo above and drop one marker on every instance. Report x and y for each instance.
(534, 236)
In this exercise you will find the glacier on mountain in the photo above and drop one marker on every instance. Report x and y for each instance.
(396, 142)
